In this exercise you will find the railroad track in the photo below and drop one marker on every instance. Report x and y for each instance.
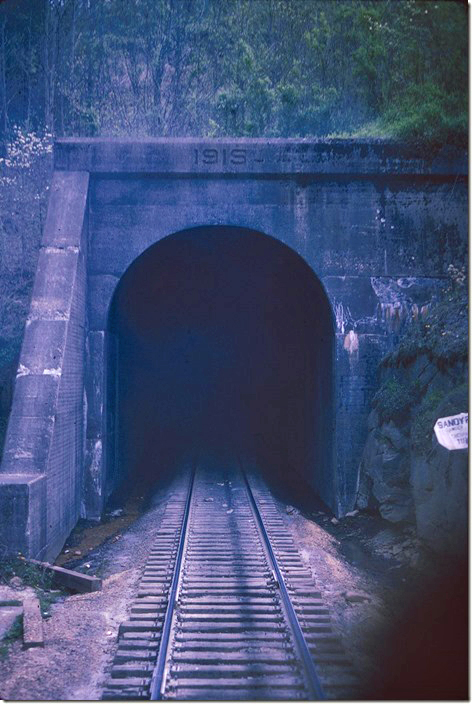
(226, 608)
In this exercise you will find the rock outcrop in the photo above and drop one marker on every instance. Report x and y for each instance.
(405, 474)
(385, 471)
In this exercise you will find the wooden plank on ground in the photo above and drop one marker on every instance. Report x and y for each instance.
(70, 579)
(32, 623)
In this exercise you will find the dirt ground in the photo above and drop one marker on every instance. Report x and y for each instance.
(81, 633)
(364, 566)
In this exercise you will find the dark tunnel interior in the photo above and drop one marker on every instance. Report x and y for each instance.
(220, 343)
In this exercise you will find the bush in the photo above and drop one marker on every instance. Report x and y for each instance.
(428, 114)
(14, 633)
(441, 333)
(32, 576)
(394, 399)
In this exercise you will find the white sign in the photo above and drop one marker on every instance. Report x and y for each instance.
(452, 432)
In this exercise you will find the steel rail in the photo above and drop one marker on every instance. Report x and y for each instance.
(314, 685)
(158, 675)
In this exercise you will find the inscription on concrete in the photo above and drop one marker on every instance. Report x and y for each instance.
(264, 156)
(223, 156)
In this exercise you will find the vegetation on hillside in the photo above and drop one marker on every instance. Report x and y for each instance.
(440, 339)
(390, 68)
(442, 332)
(292, 68)
(25, 173)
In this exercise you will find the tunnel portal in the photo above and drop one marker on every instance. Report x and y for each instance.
(220, 342)
(227, 332)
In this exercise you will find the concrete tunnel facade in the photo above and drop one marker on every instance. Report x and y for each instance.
(372, 223)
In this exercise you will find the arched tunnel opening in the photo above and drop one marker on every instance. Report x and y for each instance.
(220, 346)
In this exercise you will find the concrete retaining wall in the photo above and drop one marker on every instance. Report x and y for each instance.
(41, 474)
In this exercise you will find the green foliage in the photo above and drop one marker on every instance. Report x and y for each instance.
(14, 633)
(239, 67)
(32, 576)
(428, 114)
(394, 400)
(442, 332)
(290, 68)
